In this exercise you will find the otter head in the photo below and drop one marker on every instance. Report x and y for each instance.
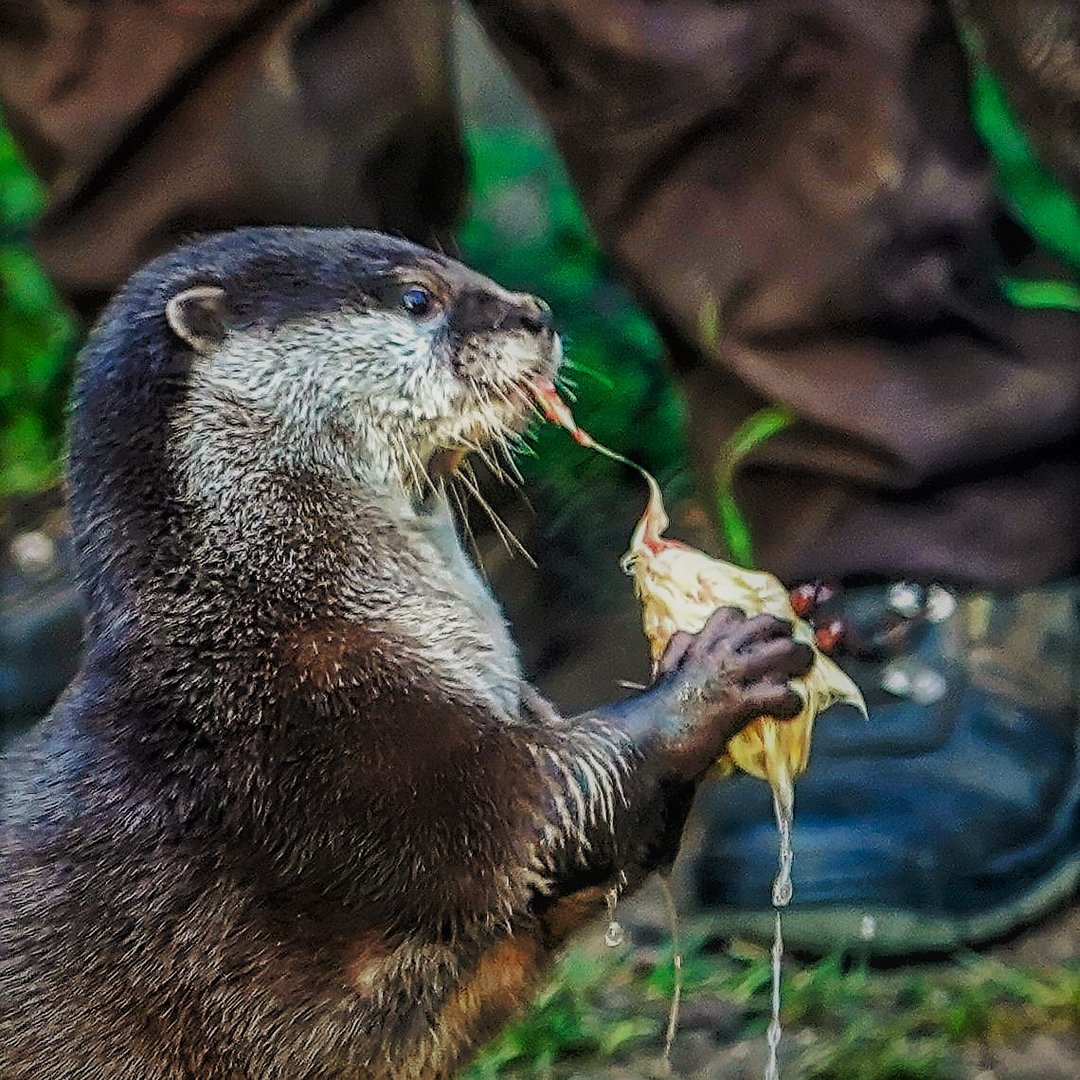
(354, 353)
(265, 370)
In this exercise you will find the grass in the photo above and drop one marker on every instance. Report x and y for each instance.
(842, 1020)
(568, 1022)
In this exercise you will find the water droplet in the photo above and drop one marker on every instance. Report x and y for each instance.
(32, 551)
(615, 935)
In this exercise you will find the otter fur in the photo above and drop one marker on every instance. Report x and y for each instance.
(299, 814)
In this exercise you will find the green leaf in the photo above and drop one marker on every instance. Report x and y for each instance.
(757, 429)
(1059, 295)
(1040, 202)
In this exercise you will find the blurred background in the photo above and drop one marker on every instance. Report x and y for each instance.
(1011, 1012)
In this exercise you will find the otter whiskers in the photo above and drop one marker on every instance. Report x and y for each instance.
(468, 479)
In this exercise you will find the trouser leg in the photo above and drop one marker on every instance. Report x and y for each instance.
(148, 122)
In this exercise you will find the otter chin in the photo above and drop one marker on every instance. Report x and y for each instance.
(300, 813)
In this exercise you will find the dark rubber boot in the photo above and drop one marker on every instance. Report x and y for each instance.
(949, 819)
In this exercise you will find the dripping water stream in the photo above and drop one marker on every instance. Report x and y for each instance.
(783, 806)
(677, 969)
(652, 525)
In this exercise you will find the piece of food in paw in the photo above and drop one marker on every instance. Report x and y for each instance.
(680, 587)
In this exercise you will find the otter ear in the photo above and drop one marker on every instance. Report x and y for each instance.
(199, 316)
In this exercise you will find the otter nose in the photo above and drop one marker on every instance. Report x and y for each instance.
(484, 312)
(529, 313)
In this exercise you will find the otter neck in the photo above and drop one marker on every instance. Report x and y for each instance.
(323, 531)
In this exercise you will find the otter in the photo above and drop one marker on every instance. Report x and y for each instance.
(299, 814)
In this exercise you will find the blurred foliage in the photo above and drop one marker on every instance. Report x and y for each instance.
(1040, 202)
(36, 341)
(757, 428)
(565, 1022)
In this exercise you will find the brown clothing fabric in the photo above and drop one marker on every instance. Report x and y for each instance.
(150, 120)
(804, 176)
(793, 187)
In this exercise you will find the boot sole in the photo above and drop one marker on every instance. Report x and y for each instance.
(883, 931)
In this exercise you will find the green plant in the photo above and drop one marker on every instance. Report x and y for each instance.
(843, 1019)
(565, 1022)
(36, 341)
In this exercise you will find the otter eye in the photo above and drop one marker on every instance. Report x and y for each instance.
(418, 301)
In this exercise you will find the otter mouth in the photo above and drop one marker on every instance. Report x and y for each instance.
(445, 462)
(509, 408)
